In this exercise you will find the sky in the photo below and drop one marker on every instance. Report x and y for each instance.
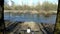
(31, 2)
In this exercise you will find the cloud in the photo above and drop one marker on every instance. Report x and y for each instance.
(9, 3)
(41, 2)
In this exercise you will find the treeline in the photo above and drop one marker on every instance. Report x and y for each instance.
(45, 6)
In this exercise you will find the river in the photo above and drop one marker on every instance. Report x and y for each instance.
(30, 17)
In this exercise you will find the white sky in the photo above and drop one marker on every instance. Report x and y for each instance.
(9, 3)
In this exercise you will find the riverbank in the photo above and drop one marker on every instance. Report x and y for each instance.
(31, 12)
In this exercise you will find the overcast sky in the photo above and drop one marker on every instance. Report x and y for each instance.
(31, 2)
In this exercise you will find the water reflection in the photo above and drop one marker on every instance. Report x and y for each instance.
(30, 17)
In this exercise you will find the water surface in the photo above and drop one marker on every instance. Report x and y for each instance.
(30, 17)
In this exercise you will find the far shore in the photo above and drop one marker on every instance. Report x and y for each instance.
(30, 11)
